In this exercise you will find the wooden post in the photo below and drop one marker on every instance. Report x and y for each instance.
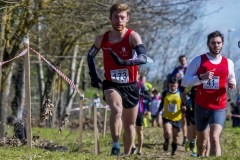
(105, 122)
(28, 93)
(80, 120)
(96, 138)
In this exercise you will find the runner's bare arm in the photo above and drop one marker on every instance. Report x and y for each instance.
(161, 106)
(140, 58)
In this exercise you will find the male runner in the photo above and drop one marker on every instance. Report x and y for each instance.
(120, 87)
(210, 72)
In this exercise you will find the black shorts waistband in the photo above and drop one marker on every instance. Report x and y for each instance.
(119, 84)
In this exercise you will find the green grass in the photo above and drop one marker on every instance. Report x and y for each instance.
(152, 148)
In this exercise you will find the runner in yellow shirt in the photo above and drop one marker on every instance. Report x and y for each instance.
(172, 114)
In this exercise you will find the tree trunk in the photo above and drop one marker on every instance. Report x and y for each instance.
(47, 90)
(5, 90)
(72, 94)
(41, 82)
(73, 69)
(18, 101)
(60, 106)
(2, 48)
(55, 100)
(85, 77)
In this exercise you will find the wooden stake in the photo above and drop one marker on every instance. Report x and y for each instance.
(105, 122)
(96, 138)
(80, 121)
(28, 94)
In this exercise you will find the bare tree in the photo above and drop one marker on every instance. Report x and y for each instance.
(56, 27)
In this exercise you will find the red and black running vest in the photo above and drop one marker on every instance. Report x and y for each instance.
(211, 94)
(113, 71)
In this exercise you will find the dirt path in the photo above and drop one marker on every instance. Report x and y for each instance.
(153, 146)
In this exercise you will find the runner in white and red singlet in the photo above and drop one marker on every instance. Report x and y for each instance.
(210, 72)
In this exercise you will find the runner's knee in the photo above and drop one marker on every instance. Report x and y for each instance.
(116, 109)
(214, 139)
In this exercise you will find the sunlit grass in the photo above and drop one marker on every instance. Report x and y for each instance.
(152, 148)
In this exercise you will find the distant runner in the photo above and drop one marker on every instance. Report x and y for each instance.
(179, 72)
(172, 114)
(210, 72)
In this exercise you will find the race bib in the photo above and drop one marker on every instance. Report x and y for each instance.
(120, 75)
(172, 107)
(211, 83)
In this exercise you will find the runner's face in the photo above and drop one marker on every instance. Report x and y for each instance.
(183, 61)
(215, 45)
(119, 20)
(173, 87)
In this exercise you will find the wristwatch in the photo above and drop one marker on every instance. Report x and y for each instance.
(199, 77)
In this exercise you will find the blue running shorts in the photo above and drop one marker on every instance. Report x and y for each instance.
(205, 117)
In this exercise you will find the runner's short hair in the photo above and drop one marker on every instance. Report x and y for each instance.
(215, 34)
(173, 80)
(181, 56)
(155, 91)
(119, 7)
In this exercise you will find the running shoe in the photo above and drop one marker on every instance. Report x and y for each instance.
(115, 151)
(139, 153)
(133, 150)
(194, 154)
(172, 153)
(165, 146)
(187, 146)
(193, 146)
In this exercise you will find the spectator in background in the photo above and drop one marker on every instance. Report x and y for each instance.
(144, 94)
(146, 102)
(155, 102)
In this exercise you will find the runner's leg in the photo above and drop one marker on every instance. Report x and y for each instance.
(139, 130)
(114, 101)
(167, 129)
(129, 118)
(184, 129)
(202, 139)
(215, 131)
(160, 124)
(175, 140)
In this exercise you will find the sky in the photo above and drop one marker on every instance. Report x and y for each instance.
(225, 17)
(222, 15)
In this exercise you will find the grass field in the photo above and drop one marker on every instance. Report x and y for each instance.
(152, 148)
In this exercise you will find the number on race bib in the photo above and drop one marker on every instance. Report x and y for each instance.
(211, 83)
(120, 75)
(172, 107)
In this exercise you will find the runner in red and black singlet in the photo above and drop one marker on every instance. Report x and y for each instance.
(123, 51)
(113, 71)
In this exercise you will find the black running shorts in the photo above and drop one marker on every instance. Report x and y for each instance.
(175, 124)
(128, 91)
(139, 121)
